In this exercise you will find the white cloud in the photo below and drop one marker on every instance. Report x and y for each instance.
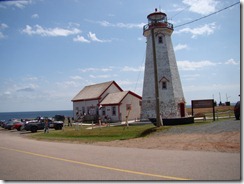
(231, 62)
(211, 87)
(35, 16)
(2, 36)
(129, 82)
(99, 76)
(76, 77)
(190, 77)
(202, 7)
(3, 26)
(28, 88)
(194, 65)
(206, 29)
(180, 47)
(15, 3)
(79, 38)
(132, 69)
(119, 25)
(141, 39)
(30, 78)
(68, 84)
(95, 69)
(39, 30)
(94, 38)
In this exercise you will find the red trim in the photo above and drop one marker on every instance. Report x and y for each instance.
(111, 104)
(136, 95)
(87, 99)
(156, 13)
(100, 96)
(116, 85)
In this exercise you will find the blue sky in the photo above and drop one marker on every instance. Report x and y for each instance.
(50, 50)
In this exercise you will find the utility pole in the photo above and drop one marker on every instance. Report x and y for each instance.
(158, 117)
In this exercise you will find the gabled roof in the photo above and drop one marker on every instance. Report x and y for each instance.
(94, 91)
(163, 79)
(117, 98)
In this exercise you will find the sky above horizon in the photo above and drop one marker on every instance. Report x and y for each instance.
(50, 50)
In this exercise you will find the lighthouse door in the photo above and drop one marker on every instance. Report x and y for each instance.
(182, 109)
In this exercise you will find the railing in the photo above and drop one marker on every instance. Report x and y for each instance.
(158, 25)
(218, 115)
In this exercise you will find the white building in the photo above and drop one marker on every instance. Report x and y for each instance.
(170, 94)
(106, 99)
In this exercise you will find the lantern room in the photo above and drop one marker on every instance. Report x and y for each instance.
(157, 20)
(157, 17)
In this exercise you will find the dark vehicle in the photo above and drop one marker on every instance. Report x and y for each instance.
(59, 118)
(9, 125)
(34, 125)
(2, 122)
(57, 125)
(237, 110)
(39, 124)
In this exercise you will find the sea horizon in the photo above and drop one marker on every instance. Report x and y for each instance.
(34, 111)
(33, 114)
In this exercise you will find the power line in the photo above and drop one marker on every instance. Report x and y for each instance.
(180, 12)
(207, 15)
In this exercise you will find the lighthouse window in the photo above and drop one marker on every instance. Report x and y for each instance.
(160, 39)
(164, 85)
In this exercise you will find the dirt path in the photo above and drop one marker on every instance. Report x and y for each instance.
(219, 136)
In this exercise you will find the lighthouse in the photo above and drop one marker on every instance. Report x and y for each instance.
(162, 96)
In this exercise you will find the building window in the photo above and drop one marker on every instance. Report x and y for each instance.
(83, 110)
(114, 111)
(128, 107)
(160, 39)
(103, 111)
(164, 85)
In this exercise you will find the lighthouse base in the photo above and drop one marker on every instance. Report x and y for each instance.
(174, 121)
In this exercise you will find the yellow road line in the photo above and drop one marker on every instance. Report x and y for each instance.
(95, 165)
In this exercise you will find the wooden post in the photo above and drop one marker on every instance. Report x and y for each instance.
(158, 121)
(99, 121)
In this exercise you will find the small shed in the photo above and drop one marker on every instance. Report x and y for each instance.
(119, 105)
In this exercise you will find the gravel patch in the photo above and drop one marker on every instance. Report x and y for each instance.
(218, 136)
(214, 127)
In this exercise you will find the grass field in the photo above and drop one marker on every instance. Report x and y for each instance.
(82, 134)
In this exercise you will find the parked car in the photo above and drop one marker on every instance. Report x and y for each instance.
(9, 125)
(59, 118)
(34, 125)
(38, 124)
(2, 122)
(237, 110)
(19, 126)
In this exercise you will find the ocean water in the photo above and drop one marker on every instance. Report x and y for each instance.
(22, 115)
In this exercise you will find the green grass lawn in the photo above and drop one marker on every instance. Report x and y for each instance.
(84, 135)
(97, 134)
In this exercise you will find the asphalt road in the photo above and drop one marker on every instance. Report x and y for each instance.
(26, 159)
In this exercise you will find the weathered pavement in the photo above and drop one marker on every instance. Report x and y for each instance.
(26, 159)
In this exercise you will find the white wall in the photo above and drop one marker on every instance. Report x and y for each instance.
(79, 104)
(135, 108)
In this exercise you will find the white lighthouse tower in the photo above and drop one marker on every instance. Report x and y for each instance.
(162, 96)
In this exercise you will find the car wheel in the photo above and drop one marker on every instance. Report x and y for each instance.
(33, 129)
